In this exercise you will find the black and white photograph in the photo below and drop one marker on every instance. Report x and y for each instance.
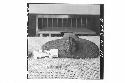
(62, 41)
(65, 41)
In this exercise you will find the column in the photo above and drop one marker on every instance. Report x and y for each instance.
(76, 22)
(81, 22)
(57, 22)
(71, 22)
(86, 22)
(52, 22)
(62, 22)
(42, 22)
(47, 22)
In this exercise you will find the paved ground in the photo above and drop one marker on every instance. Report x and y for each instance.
(64, 68)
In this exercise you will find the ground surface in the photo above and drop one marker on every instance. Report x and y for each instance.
(64, 68)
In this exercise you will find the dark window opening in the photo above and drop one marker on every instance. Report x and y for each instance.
(55, 22)
(56, 35)
(49, 22)
(45, 35)
(40, 23)
(44, 22)
(74, 22)
(59, 22)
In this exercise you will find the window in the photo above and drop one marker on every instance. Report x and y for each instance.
(52, 22)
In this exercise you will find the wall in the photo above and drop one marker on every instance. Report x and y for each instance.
(93, 24)
(31, 25)
(64, 9)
